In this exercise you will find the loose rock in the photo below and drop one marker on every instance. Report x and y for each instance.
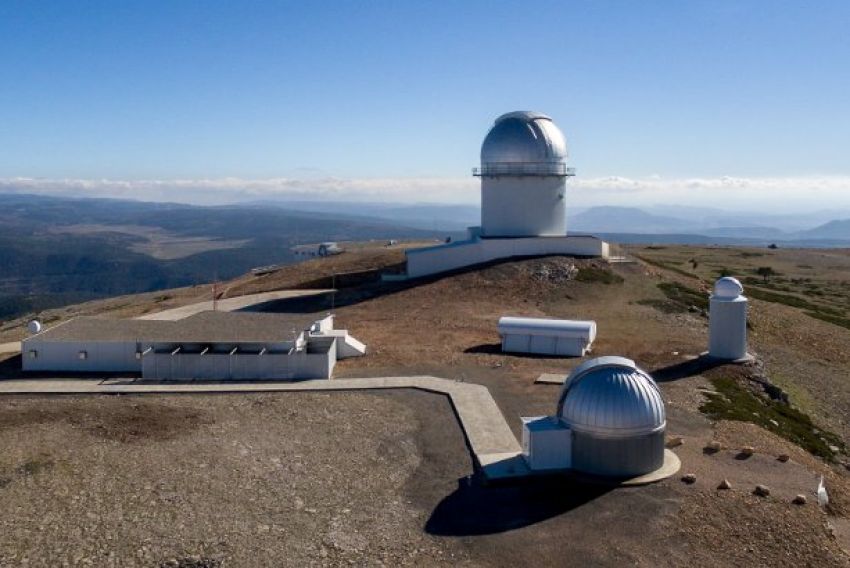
(784, 458)
(800, 500)
(689, 478)
(748, 451)
(762, 490)
(675, 441)
(725, 484)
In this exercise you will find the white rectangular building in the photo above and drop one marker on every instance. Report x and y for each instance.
(206, 346)
(542, 336)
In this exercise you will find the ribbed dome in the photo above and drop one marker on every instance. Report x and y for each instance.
(727, 288)
(523, 137)
(610, 396)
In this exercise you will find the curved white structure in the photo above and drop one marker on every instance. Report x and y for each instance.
(523, 177)
(546, 336)
(610, 422)
(612, 397)
(727, 321)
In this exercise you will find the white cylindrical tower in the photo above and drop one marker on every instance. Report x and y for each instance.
(728, 320)
(523, 177)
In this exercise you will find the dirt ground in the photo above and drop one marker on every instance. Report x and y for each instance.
(434, 513)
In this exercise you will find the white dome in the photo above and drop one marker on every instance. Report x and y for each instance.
(523, 137)
(728, 288)
(611, 396)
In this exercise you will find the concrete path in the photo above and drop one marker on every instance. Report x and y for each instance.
(551, 379)
(230, 304)
(13, 347)
(490, 439)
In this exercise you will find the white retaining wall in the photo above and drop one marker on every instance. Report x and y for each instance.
(460, 254)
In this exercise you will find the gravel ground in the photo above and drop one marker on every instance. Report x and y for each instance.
(228, 480)
(368, 479)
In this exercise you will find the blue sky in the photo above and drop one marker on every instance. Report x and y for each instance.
(386, 94)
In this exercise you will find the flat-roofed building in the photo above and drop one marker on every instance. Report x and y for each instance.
(209, 345)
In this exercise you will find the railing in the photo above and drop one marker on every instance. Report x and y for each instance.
(524, 169)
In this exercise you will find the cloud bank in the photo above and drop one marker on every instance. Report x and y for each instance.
(774, 194)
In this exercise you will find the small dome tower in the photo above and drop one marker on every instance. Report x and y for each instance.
(727, 321)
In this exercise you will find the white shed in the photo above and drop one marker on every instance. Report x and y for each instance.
(546, 336)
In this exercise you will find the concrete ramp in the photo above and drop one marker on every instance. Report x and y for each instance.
(346, 346)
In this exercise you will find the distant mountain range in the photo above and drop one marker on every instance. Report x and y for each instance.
(55, 251)
(747, 227)
(831, 227)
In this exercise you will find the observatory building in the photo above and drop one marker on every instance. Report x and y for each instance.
(207, 346)
(523, 176)
(727, 321)
(609, 422)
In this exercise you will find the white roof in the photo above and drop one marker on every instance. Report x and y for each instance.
(522, 137)
(548, 327)
(611, 396)
(728, 288)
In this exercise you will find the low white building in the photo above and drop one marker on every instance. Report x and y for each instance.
(543, 336)
(206, 346)
(317, 250)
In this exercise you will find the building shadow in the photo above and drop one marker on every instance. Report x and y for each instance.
(475, 508)
(496, 349)
(685, 369)
(10, 368)
(357, 287)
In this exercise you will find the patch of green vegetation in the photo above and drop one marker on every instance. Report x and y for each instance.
(665, 306)
(667, 266)
(830, 318)
(785, 299)
(598, 275)
(683, 295)
(33, 467)
(734, 401)
(748, 254)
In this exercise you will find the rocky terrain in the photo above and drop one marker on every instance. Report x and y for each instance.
(213, 480)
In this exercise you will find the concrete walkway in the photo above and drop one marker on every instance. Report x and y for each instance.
(13, 347)
(230, 304)
(490, 439)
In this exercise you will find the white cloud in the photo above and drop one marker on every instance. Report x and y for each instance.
(765, 193)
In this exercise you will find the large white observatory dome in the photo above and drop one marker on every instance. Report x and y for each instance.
(523, 178)
(523, 137)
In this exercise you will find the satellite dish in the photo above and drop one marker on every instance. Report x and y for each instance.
(34, 327)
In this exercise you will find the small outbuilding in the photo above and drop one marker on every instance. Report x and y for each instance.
(543, 336)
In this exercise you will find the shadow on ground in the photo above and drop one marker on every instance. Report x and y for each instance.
(478, 509)
(496, 349)
(362, 286)
(685, 369)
